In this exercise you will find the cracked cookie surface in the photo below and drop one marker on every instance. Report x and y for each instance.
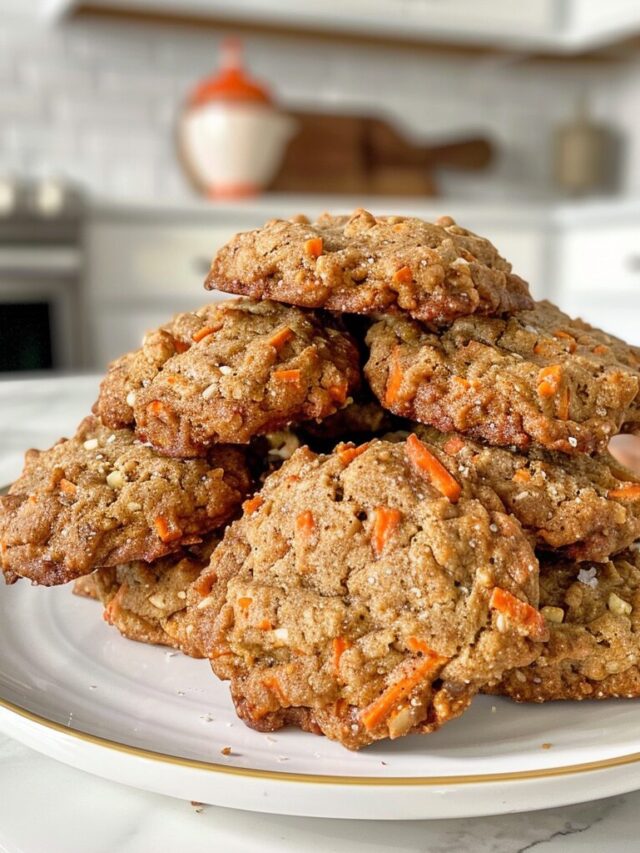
(537, 377)
(363, 264)
(366, 594)
(593, 651)
(246, 368)
(102, 498)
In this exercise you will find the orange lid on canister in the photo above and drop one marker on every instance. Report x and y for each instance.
(231, 82)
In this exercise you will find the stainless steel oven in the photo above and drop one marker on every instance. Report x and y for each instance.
(40, 293)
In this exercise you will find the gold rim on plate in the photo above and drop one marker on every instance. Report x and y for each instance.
(320, 779)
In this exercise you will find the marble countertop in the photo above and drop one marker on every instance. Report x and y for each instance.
(47, 807)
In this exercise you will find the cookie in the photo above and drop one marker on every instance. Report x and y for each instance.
(535, 378)
(102, 498)
(586, 506)
(147, 601)
(85, 587)
(364, 264)
(251, 368)
(366, 594)
(593, 651)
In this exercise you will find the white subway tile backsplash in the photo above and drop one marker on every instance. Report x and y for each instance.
(99, 101)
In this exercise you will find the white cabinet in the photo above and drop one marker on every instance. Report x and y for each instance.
(598, 271)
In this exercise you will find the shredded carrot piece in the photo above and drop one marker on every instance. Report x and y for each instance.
(348, 452)
(381, 707)
(280, 338)
(174, 379)
(522, 475)
(253, 504)
(305, 523)
(157, 408)
(385, 521)
(403, 276)
(630, 492)
(204, 332)
(340, 645)
(522, 613)
(453, 445)
(244, 602)
(600, 349)
(541, 347)
(394, 379)
(572, 344)
(165, 531)
(287, 375)
(221, 653)
(414, 644)
(549, 379)
(67, 487)
(265, 625)
(338, 393)
(564, 400)
(204, 584)
(180, 346)
(340, 707)
(428, 466)
(33, 499)
(314, 247)
(462, 382)
(274, 685)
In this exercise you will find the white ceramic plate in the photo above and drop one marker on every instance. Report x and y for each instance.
(73, 689)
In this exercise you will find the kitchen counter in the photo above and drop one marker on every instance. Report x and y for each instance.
(46, 806)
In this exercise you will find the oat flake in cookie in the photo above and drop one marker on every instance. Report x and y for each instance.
(366, 594)
(102, 499)
(363, 264)
(593, 651)
(586, 506)
(251, 368)
(535, 378)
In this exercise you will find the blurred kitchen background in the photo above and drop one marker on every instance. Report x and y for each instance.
(137, 137)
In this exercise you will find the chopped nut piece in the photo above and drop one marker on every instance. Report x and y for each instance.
(115, 480)
(618, 606)
(282, 634)
(226, 750)
(91, 444)
(553, 614)
(131, 398)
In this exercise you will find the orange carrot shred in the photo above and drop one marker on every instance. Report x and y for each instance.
(403, 276)
(381, 707)
(415, 644)
(340, 645)
(461, 382)
(287, 375)
(244, 602)
(157, 408)
(274, 685)
(67, 487)
(314, 247)
(280, 338)
(204, 332)
(432, 469)
(394, 379)
(338, 393)
(600, 349)
(385, 521)
(253, 504)
(521, 612)
(522, 475)
(572, 344)
(630, 492)
(549, 379)
(305, 523)
(165, 531)
(348, 452)
(180, 346)
(265, 625)
(453, 445)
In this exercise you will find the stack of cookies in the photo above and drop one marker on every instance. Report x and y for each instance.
(372, 487)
